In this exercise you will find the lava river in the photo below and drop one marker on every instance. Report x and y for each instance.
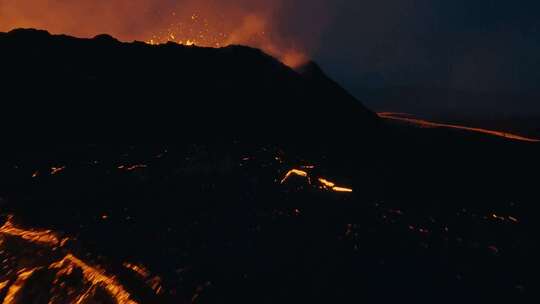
(408, 118)
(37, 267)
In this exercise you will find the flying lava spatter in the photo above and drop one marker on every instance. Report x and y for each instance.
(254, 31)
(205, 23)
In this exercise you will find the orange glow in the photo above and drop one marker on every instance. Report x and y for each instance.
(295, 172)
(96, 277)
(56, 170)
(497, 217)
(325, 183)
(22, 277)
(294, 58)
(342, 189)
(3, 285)
(428, 124)
(44, 237)
(155, 284)
(205, 23)
(331, 185)
(210, 31)
(92, 275)
(140, 270)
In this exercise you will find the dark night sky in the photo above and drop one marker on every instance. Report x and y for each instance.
(473, 45)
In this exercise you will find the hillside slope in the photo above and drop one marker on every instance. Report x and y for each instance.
(163, 86)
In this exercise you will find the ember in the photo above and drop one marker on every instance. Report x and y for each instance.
(56, 170)
(207, 32)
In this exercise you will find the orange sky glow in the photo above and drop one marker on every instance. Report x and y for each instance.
(209, 23)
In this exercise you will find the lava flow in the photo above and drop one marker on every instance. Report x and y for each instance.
(94, 276)
(153, 282)
(429, 124)
(323, 183)
(45, 237)
(44, 255)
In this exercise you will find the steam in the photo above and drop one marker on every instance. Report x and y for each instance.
(256, 31)
(271, 25)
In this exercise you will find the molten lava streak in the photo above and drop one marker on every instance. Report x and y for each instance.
(428, 124)
(341, 189)
(324, 183)
(44, 237)
(95, 277)
(16, 280)
(56, 170)
(141, 271)
(22, 276)
(294, 172)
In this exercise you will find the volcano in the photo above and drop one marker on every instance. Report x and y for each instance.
(164, 86)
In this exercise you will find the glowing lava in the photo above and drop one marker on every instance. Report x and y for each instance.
(326, 183)
(298, 172)
(253, 31)
(56, 170)
(44, 237)
(428, 124)
(153, 282)
(14, 289)
(342, 189)
(92, 279)
(140, 270)
(323, 183)
(95, 276)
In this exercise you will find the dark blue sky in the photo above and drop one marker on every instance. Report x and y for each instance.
(476, 45)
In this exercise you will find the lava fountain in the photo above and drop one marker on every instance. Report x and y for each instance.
(206, 23)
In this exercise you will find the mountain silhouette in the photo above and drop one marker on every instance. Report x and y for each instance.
(160, 87)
